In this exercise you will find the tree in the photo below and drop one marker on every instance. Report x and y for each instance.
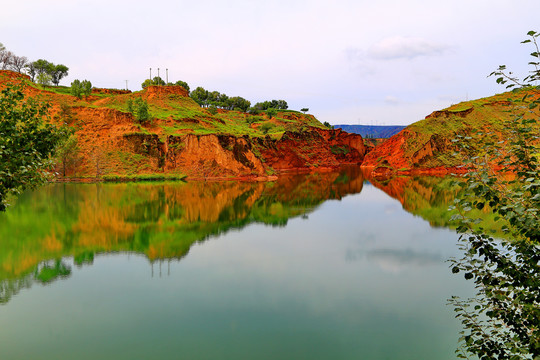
(271, 113)
(158, 81)
(80, 88)
(304, 110)
(31, 70)
(18, 63)
(42, 66)
(44, 79)
(57, 72)
(183, 84)
(67, 154)
(26, 143)
(139, 109)
(155, 81)
(6, 58)
(200, 96)
(146, 83)
(274, 104)
(281, 105)
(502, 320)
(86, 86)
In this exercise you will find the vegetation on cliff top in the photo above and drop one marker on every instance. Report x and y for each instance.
(120, 133)
(430, 143)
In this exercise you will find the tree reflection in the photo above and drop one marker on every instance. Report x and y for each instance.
(160, 221)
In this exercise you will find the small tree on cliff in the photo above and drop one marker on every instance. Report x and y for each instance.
(67, 154)
(139, 109)
(271, 113)
(182, 84)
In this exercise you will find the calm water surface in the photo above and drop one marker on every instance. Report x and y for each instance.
(309, 267)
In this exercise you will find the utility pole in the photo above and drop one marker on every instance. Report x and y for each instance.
(167, 76)
(150, 74)
(158, 75)
(126, 85)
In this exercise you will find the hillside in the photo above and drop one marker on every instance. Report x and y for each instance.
(430, 145)
(372, 131)
(184, 138)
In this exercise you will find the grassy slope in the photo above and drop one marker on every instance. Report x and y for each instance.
(487, 115)
(173, 113)
(102, 119)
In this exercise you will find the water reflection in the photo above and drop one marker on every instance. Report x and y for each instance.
(161, 221)
(359, 279)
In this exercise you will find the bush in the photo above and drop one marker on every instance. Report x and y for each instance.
(139, 109)
(266, 127)
(271, 113)
(212, 110)
(501, 321)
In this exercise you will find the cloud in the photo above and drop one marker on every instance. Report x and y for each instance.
(399, 47)
(391, 100)
(395, 261)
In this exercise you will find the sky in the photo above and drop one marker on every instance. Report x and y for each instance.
(385, 62)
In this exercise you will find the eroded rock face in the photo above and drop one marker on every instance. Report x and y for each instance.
(157, 91)
(119, 148)
(222, 156)
(313, 149)
(213, 156)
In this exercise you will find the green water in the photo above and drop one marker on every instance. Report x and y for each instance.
(309, 267)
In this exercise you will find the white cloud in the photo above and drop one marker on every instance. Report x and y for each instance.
(399, 47)
(391, 100)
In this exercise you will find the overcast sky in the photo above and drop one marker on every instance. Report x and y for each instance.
(348, 61)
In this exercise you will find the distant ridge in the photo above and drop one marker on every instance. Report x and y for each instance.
(372, 131)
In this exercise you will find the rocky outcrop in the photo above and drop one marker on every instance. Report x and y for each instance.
(448, 113)
(311, 149)
(226, 156)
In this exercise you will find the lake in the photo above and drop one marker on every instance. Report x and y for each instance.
(318, 266)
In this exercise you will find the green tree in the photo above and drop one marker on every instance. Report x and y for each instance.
(44, 79)
(304, 110)
(58, 72)
(26, 143)
(139, 109)
(271, 113)
(146, 83)
(200, 96)
(76, 88)
(157, 80)
(42, 66)
(67, 154)
(80, 88)
(182, 84)
(86, 86)
(502, 320)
